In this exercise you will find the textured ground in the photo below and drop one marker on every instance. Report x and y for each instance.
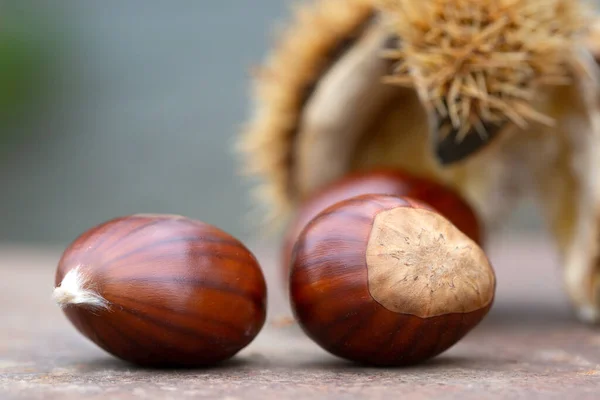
(529, 347)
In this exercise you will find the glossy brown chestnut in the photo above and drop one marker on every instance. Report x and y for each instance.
(385, 280)
(162, 290)
(383, 181)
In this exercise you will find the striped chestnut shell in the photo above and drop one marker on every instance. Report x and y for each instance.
(386, 181)
(388, 281)
(162, 290)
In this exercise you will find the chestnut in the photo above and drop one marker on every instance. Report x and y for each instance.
(383, 181)
(162, 290)
(388, 281)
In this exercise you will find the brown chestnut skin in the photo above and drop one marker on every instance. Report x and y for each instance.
(162, 290)
(383, 181)
(387, 281)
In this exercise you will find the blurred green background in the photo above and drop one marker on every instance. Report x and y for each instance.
(116, 107)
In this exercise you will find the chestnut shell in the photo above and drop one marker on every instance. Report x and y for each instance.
(387, 182)
(333, 305)
(181, 292)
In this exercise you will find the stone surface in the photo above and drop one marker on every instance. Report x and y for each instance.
(530, 347)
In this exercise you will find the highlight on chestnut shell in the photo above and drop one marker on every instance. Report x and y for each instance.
(385, 181)
(385, 280)
(162, 290)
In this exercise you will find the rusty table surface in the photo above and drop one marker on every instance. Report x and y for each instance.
(530, 346)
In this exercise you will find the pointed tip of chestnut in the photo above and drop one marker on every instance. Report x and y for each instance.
(75, 290)
(385, 280)
(162, 290)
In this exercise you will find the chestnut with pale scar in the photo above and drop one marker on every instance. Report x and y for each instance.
(386, 280)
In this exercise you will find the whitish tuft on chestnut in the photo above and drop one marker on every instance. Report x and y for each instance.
(162, 290)
(75, 289)
(386, 280)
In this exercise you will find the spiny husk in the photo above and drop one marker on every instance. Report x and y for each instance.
(482, 60)
(281, 87)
